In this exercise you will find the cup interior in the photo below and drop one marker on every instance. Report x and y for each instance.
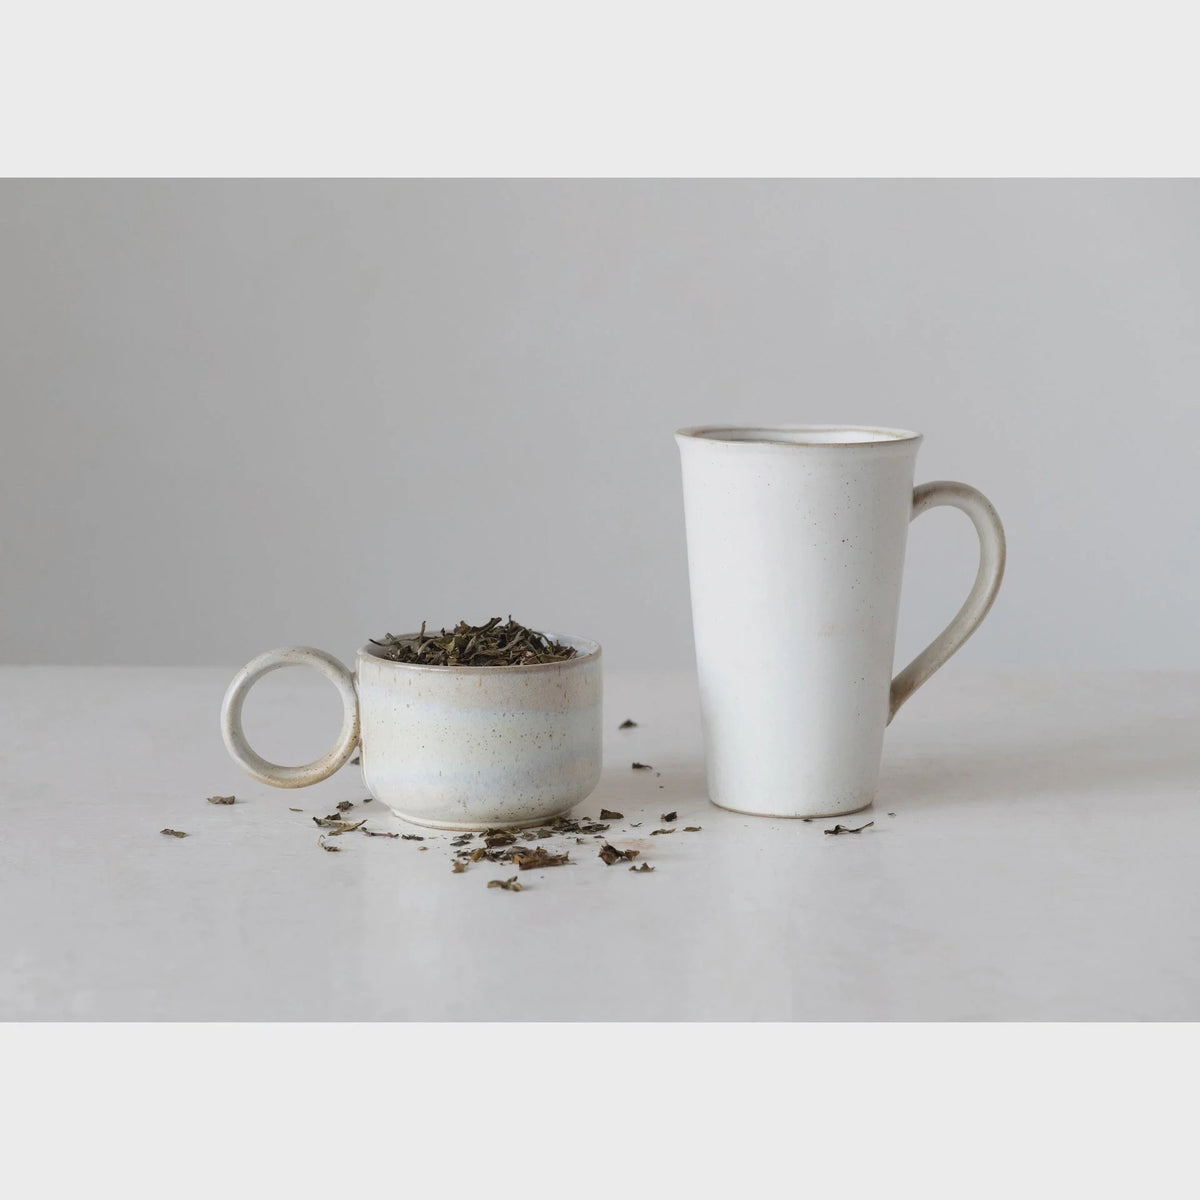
(800, 435)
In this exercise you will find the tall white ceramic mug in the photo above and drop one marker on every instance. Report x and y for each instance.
(796, 538)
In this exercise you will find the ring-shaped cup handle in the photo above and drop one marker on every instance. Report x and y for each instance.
(235, 697)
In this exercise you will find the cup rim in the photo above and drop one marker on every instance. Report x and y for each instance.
(882, 435)
(590, 654)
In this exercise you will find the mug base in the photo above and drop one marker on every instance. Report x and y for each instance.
(480, 826)
(799, 816)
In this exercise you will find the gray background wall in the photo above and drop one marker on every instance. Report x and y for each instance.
(242, 414)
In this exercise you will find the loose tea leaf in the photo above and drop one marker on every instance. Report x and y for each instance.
(173, 832)
(356, 761)
(295, 810)
(606, 814)
(642, 869)
(846, 829)
(656, 832)
(668, 816)
(636, 825)
(498, 837)
(628, 724)
(412, 837)
(462, 839)
(490, 645)
(344, 805)
(692, 828)
(642, 767)
(891, 814)
(541, 857)
(610, 854)
(221, 799)
(380, 833)
(326, 846)
(509, 885)
(458, 867)
(339, 826)
(478, 853)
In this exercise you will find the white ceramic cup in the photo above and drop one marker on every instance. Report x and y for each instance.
(796, 538)
(450, 747)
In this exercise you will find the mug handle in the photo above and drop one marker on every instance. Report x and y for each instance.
(235, 697)
(992, 553)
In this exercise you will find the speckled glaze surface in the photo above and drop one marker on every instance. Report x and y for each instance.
(796, 539)
(456, 747)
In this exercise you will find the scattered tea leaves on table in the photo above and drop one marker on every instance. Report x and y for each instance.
(412, 837)
(326, 846)
(610, 854)
(490, 645)
(847, 829)
(671, 816)
(606, 814)
(642, 869)
(656, 832)
(344, 805)
(692, 828)
(642, 767)
(498, 837)
(221, 799)
(509, 885)
(462, 839)
(627, 724)
(174, 832)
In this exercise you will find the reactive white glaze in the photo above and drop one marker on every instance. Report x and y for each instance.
(452, 747)
(796, 538)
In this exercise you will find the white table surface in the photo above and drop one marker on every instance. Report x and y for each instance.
(1041, 865)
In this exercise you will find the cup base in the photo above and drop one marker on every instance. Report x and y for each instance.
(802, 816)
(479, 826)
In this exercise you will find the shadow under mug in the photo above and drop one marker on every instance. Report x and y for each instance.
(449, 747)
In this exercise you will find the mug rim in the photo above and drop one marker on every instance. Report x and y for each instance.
(883, 435)
(590, 655)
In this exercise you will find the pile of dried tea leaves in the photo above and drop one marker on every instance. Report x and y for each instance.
(490, 645)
